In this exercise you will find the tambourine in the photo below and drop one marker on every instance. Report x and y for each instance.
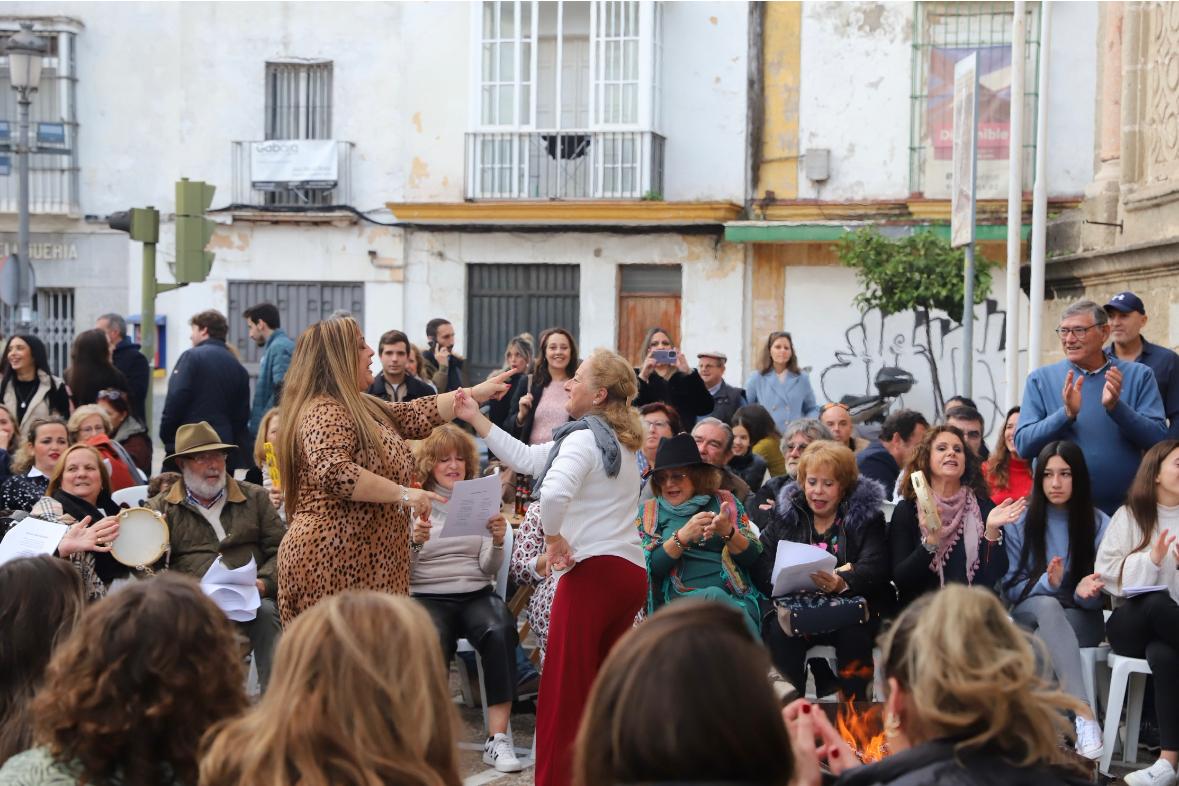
(143, 538)
(933, 521)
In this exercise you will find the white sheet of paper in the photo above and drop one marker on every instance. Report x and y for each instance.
(795, 562)
(233, 590)
(30, 537)
(472, 504)
(1133, 591)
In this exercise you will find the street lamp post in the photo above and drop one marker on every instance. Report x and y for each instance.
(24, 51)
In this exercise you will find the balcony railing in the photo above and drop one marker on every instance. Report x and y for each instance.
(53, 184)
(244, 192)
(564, 165)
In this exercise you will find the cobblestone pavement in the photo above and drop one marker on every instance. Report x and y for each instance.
(471, 765)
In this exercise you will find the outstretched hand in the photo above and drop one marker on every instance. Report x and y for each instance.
(465, 407)
(494, 388)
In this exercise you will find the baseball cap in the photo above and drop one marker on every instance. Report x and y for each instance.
(1126, 302)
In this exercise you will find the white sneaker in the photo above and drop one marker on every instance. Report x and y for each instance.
(1089, 743)
(1161, 773)
(498, 753)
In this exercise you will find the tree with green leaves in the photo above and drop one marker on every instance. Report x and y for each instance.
(917, 272)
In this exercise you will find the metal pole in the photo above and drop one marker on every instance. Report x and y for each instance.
(1040, 195)
(1015, 203)
(968, 325)
(147, 321)
(24, 317)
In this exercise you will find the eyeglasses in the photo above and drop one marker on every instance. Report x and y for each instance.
(651, 425)
(207, 457)
(795, 447)
(674, 477)
(1079, 332)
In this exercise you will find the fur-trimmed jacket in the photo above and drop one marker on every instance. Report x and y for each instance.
(859, 516)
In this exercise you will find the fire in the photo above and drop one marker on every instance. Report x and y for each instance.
(863, 731)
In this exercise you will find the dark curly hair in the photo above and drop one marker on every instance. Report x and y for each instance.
(972, 475)
(146, 672)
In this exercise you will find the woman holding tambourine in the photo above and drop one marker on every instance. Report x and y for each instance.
(79, 494)
(946, 529)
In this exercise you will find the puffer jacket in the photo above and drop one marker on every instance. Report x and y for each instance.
(252, 529)
(934, 764)
(866, 540)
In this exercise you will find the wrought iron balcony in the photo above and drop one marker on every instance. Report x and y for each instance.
(564, 165)
(291, 195)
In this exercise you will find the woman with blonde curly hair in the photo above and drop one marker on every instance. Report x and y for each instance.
(965, 703)
(358, 698)
(128, 696)
(454, 579)
(588, 483)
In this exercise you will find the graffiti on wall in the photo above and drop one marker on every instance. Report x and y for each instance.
(876, 341)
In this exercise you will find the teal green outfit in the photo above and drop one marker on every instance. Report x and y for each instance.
(705, 571)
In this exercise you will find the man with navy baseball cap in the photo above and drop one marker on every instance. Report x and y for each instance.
(1127, 317)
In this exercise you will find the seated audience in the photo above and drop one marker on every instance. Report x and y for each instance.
(722, 731)
(1008, 475)
(128, 696)
(162, 483)
(79, 493)
(799, 434)
(126, 429)
(832, 507)
(359, 698)
(966, 546)
(1139, 551)
(837, 418)
(964, 704)
(751, 467)
(454, 579)
(660, 422)
(8, 441)
(45, 440)
(40, 602)
(1050, 582)
(261, 473)
(90, 425)
(900, 435)
(676, 383)
(213, 517)
(762, 435)
(696, 537)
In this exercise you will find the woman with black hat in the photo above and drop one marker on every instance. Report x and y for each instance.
(697, 537)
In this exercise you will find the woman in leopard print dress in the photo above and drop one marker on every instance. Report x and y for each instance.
(345, 467)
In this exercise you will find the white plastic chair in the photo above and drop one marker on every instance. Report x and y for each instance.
(822, 652)
(1123, 671)
(1091, 660)
(132, 496)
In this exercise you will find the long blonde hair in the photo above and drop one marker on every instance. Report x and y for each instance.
(969, 674)
(324, 366)
(358, 698)
(607, 369)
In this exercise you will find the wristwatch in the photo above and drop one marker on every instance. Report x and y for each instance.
(405, 496)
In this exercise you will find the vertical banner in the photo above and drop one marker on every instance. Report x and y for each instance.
(964, 151)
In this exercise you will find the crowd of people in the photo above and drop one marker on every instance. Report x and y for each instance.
(966, 578)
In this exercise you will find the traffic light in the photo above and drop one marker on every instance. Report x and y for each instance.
(193, 230)
(142, 223)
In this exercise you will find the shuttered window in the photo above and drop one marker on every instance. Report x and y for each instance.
(299, 100)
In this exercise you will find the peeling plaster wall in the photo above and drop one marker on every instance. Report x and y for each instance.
(712, 281)
(857, 63)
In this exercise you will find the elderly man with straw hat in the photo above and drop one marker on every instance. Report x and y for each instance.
(211, 516)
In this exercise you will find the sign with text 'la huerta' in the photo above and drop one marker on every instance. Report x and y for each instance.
(293, 163)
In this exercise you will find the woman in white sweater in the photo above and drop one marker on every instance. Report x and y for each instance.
(1139, 551)
(588, 484)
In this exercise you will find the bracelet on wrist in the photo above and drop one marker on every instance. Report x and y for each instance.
(729, 537)
(675, 538)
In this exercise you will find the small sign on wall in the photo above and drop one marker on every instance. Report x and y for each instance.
(297, 163)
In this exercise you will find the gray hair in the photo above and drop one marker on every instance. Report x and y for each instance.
(811, 427)
(1086, 308)
(711, 421)
(116, 322)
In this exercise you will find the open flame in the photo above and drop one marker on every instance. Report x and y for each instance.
(863, 731)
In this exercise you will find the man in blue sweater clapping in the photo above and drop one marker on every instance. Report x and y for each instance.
(1110, 408)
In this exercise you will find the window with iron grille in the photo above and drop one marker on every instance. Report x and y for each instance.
(299, 106)
(944, 33)
(53, 324)
(53, 125)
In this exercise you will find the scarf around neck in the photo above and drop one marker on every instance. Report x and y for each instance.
(604, 437)
(686, 508)
(961, 520)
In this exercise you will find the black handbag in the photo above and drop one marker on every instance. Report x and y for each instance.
(812, 613)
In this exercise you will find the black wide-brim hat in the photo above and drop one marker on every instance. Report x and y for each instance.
(677, 451)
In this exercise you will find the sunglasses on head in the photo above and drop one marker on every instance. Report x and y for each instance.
(111, 394)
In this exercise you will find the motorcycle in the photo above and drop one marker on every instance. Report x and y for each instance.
(891, 383)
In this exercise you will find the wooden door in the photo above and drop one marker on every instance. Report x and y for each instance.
(639, 312)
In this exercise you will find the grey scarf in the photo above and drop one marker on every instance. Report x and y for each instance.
(603, 435)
